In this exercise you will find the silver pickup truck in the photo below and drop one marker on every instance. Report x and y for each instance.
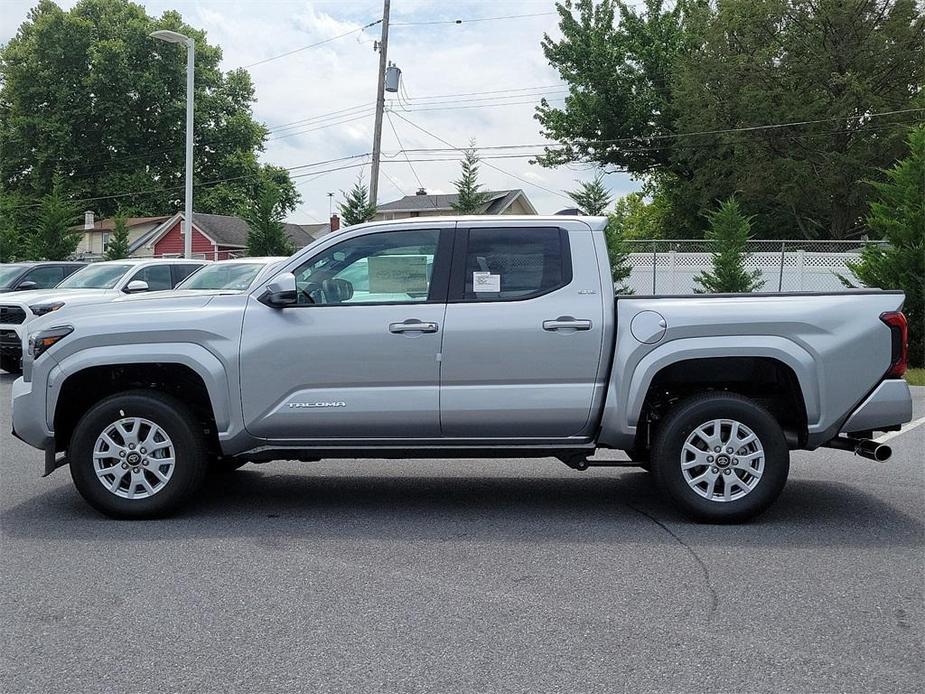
(460, 337)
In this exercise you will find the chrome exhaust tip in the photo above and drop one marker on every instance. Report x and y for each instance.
(866, 448)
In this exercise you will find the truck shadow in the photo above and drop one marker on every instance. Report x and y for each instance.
(620, 507)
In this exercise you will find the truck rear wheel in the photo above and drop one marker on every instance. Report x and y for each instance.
(138, 454)
(721, 457)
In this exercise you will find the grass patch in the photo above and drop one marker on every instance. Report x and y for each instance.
(916, 377)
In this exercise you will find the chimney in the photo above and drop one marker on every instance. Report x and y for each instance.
(421, 191)
(335, 222)
(89, 220)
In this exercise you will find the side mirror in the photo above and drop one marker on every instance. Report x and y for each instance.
(136, 286)
(281, 291)
(26, 286)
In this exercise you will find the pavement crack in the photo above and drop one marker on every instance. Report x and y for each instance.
(707, 580)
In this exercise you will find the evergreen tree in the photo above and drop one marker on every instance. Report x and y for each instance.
(592, 197)
(267, 234)
(356, 207)
(728, 236)
(618, 253)
(898, 216)
(13, 239)
(470, 199)
(117, 248)
(52, 236)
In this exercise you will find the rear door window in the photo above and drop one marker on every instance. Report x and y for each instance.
(510, 264)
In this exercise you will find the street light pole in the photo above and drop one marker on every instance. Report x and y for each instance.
(175, 37)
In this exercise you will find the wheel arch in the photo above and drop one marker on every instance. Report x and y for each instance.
(697, 361)
(198, 379)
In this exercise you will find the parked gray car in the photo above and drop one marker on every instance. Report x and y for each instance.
(460, 337)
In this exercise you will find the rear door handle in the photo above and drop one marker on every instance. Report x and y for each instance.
(566, 323)
(413, 325)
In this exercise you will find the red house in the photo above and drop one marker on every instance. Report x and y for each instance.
(215, 237)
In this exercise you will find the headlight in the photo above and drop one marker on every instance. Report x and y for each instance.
(42, 340)
(42, 309)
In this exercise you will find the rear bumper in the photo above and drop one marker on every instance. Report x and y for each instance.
(888, 406)
(29, 416)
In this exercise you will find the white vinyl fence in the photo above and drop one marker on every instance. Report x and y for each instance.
(669, 266)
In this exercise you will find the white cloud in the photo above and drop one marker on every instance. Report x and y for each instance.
(435, 60)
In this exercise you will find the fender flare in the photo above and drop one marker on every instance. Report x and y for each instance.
(625, 398)
(195, 357)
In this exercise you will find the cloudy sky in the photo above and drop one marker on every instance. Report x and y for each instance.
(477, 79)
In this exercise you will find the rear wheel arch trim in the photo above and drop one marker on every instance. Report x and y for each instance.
(787, 352)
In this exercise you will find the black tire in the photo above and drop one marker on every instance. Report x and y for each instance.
(696, 412)
(175, 419)
(11, 364)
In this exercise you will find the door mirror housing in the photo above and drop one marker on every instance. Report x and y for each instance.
(136, 286)
(281, 291)
(26, 286)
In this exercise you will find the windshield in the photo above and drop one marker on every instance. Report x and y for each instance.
(8, 273)
(229, 276)
(95, 277)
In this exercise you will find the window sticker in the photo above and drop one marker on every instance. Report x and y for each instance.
(486, 282)
(391, 274)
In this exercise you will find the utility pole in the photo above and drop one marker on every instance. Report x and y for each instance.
(380, 105)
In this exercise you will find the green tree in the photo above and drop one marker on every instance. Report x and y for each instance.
(470, 199)
(267, 235)
(356, 207)
(728, 235)
(592, 197)
(52, 235)
(637, 219)
(118, 245)
(14, 240)
(898, 215)
(88, 93)
(643, 81)
(618, 254)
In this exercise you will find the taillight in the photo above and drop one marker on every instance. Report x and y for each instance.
(899, 334)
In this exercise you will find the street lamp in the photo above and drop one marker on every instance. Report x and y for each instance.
(174, 37)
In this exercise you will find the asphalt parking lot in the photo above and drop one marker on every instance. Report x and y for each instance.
(475, 576)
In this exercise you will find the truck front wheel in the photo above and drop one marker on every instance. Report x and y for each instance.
(721, 457)
(138, 454)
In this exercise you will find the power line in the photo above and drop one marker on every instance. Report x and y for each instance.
(473, 20)
(492, 166)
(314, 45)
(398, 140)
(392, 181)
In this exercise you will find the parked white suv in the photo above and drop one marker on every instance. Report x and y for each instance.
(95, 283)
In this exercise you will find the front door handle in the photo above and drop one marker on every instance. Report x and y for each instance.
(566, 323)
(413, 325)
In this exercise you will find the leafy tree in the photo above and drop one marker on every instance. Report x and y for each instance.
(728, 235)
(88, 93)
(13, 237)
(117, 248)
(637, 219)
(898, 216)
(641, 81)
(52, 236)
(356, 207)
(592, 197)
(783, 61)
(470, 199)
(267, 235)
(618, 253)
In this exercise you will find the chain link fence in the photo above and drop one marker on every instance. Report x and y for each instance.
(669, 266)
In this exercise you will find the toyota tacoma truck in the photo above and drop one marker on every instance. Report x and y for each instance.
(460, 338)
